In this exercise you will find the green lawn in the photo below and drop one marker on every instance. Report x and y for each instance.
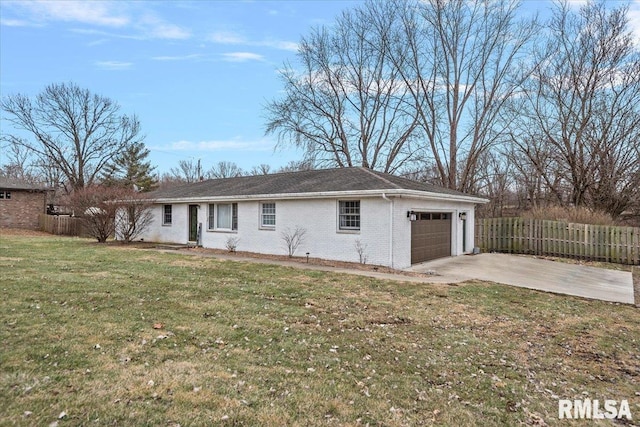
(109, 335)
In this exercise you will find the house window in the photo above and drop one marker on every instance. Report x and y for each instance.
(5, 194)
(349, 215)
(223, 216)
(166, 215)
(428, 216)
(211, 222)
(268, 215)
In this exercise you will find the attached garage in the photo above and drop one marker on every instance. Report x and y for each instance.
(430, 236)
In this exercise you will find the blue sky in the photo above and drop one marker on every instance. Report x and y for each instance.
(196, 73)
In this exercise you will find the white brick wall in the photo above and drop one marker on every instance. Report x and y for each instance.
(319, 217)
(323, 239)
(177, 232)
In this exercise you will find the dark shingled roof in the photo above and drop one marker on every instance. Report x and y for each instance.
(312, 181)
(13, 184)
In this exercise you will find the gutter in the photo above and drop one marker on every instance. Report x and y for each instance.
(391, 206)
(424, 195)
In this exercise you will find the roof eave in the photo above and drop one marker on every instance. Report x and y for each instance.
(445, 196)
(327, 194)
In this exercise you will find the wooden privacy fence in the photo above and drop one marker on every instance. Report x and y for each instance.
(555, 238)
(61, 224)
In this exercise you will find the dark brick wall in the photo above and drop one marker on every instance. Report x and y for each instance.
(22, 209)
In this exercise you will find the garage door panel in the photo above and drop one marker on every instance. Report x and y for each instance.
(430, 238)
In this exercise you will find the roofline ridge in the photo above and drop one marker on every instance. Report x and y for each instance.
(262, 175)
(381, 178)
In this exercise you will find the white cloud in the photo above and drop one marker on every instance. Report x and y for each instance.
(226, 37)
(279, 44)
(141, 21)
(114, 65)
(231, 38)
(98, 42)
(97, 13)
(14, 23)
(577, 3)
(242, 57)
(178, 58)
(156, 28)
(218, 145)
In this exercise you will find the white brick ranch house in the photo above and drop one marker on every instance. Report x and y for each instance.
(395, 221)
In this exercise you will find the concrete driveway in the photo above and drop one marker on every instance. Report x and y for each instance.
(533, 273)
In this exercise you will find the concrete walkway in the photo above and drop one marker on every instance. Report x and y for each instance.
(515, 270)
(533, 273)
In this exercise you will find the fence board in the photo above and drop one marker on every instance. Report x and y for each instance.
(61, 225)
(555, 238)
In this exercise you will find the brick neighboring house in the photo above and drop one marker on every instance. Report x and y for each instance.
(21, 203)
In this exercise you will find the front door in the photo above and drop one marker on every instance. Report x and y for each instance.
(193, 223)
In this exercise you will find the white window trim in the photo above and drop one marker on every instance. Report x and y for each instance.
(214, 227)
(164, 222)
(339, 229)
(264, 226)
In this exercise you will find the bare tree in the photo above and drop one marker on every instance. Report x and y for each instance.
(580, 111)
(293, 239)
(112, 211)
(224, 170)
(232, 243)
(528, 177)
(347, 106)
(464, 63)
(92, 205)
(19, 164)
(186, 171)
(494, 181)
(134, 214)
(72, 129)
(261, 169)
(361, 249)
(297, 165)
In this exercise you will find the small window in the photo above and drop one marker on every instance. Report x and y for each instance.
(7, 194)
(211, 221)
(223, 216)
(166, 215)
(1, 194)
(349, 215)
(268, 215)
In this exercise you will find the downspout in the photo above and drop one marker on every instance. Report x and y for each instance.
(384, 196)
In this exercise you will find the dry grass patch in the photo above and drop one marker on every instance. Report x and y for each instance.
(574, 214)
(166, 339)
